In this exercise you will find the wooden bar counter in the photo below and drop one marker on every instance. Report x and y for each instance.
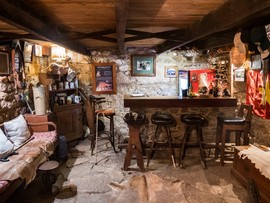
(178, 102)
(208, 106)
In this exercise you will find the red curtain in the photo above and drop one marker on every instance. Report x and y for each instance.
(254, 93)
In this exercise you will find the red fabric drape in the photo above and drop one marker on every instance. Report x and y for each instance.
(254, 93)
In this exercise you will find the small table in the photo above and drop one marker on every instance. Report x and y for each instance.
(49, 178)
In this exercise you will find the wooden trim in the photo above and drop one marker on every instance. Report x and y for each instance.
(178, 102)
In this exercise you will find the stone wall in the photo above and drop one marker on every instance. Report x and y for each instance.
(151, 86)
(9, 99)
(159, 85)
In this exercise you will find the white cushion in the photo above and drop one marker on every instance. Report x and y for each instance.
(17, 130)
(5, 145)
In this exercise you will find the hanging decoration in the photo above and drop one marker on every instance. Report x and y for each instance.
(258, 93)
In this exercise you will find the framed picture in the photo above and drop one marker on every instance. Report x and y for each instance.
(38, 50)
(28, 52)
(239, 75)
(143, 65)
(255, 62)
(104, 78)
(170, 71)
(4, 63)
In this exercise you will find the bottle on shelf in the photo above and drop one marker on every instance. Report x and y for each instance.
(216, 89)
(190, 90)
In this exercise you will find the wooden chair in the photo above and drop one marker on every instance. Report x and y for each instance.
(240, 124)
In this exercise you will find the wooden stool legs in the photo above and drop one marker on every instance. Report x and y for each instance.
(134, 147)
(186, 139)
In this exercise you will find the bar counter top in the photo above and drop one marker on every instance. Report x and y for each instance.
(178, 102)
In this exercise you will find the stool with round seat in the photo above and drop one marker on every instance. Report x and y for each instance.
(240, 124)
(97, 107)
(192, 122)
(49, 178)
(161, 120)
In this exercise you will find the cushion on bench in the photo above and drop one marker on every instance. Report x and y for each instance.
(6, 146)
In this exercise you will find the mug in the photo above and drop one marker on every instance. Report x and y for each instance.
(69, 99)
(77, 99)
(60, 86)
(66, 85)
(71, 85)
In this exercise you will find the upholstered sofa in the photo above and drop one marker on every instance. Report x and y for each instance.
(31, 149)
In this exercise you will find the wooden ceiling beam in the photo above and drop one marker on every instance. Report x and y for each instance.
(17, 36)
(99, 35)
(121, 14)
(23, 19)
(214, 41)
(168, 35)
(231, 15)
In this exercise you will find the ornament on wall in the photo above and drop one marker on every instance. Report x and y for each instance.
(170, 71)
(143, 65)
(28, 52)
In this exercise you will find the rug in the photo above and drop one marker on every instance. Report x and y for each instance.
(150, 188)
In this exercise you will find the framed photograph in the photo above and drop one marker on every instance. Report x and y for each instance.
(170, 72)
(104, 78)
(143, 65)
(28, 52)
(4, 63)
(38, 50)
(255, 62)
(239, 75)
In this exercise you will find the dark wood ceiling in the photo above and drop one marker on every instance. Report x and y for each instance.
(84, 25)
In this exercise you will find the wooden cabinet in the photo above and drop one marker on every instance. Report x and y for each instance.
(69, 120)
(66, 114)
(60, 97)
(244, 171)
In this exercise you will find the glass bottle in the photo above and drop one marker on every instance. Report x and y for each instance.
(190, 89)
(216, 90)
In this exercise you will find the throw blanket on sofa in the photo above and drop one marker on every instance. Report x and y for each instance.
(29, 157)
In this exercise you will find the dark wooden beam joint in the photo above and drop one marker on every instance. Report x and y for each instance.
(121, 13)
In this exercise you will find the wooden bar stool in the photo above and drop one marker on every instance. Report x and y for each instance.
(49, 178)
(94, 111)
(239, 124)
(161, 120)
(193, 122)
(135, 122)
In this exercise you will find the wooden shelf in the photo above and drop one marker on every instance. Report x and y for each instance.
(52, 92)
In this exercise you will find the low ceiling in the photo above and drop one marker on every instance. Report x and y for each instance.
(86, 25)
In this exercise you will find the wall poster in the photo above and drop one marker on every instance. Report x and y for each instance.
(104, 78)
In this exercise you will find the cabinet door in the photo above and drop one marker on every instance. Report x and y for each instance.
(69, 121)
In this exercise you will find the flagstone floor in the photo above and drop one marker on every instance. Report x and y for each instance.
(89, 178)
